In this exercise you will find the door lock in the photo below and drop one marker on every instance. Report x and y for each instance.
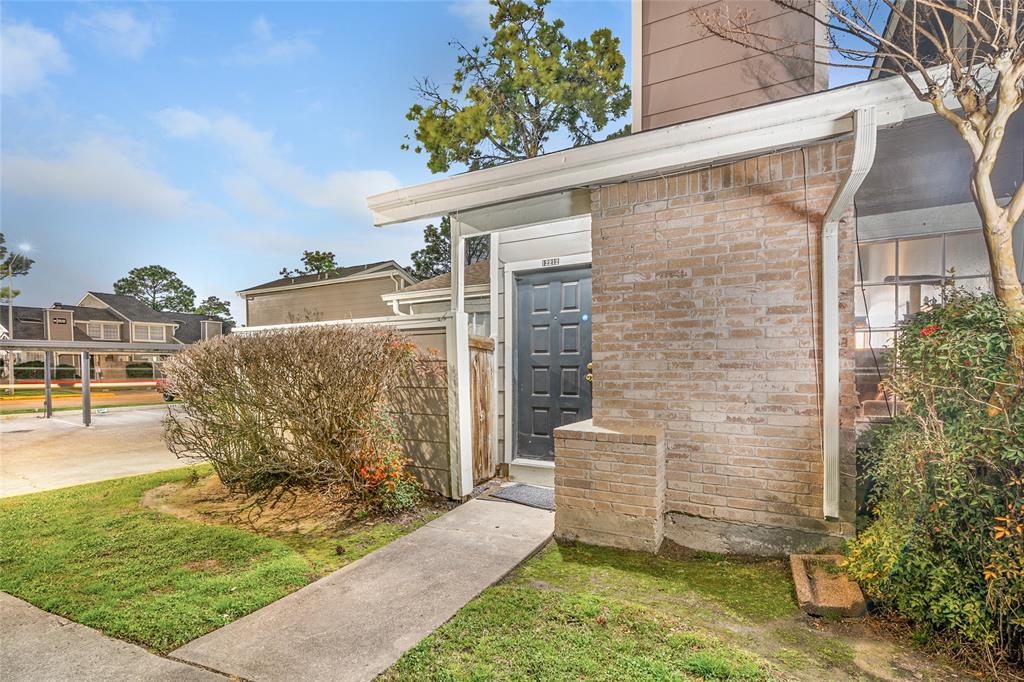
(590, 375)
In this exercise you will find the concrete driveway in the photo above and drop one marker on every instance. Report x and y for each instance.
(42, 454)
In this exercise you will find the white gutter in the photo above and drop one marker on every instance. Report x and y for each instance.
(409, 321)
(738, 134)
(865, 133)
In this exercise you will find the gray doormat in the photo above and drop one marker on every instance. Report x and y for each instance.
(530, 495)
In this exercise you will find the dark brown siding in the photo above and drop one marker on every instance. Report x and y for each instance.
(688, 74)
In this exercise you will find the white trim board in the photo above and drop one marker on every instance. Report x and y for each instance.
(511, 269)
(717, 139)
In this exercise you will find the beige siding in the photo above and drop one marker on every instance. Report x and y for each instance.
(421, 414)
(688, 74)
(338, 301)
(60, 325)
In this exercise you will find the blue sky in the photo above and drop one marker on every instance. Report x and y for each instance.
(218, 139)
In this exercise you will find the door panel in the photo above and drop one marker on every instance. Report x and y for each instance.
(552, 330)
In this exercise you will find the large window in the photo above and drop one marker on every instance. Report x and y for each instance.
(895, 279)
(103, 331)
(150, 332)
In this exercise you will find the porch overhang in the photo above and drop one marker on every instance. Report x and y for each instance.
(717, 139)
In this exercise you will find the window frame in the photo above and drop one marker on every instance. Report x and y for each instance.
(104, 326)
(896, 281)
(149, 332)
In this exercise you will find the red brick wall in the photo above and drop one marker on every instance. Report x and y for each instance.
(704, 323)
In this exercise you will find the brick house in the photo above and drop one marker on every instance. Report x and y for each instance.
(730, 284)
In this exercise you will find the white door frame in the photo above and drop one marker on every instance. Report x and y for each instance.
(511, 269)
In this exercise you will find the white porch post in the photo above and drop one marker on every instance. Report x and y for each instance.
(460, 422)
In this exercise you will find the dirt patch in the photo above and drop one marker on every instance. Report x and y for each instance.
(304, 513)
(209, 565)
(208, 501)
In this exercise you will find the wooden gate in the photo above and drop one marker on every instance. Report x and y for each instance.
(481, 396)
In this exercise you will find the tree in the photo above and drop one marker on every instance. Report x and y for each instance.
(13, 265)
(217, 307)
(522, 85)
(314, 262)
(158, 287)
(435, 258)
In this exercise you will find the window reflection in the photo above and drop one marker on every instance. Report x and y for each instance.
(897, 279)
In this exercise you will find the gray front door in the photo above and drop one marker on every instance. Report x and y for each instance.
(552, 353)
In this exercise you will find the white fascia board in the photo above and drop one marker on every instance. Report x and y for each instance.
(370, 274)
(432, 295)
(737, 134)
(417, 321)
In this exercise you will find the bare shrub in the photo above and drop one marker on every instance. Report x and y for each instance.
(303, 408)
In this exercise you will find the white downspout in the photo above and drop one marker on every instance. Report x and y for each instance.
(864, 139)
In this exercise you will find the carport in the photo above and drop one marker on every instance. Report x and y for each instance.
(85, 350)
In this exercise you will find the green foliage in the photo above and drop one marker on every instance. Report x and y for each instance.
(509, 95)
(157, 287)
(314, 262)
(435, 258)
(11, 264)
(216, 307)
(33, 370)
(947, 545)
(139, 370)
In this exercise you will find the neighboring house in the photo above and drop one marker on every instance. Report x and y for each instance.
(349, 293)
(434, 295)
(109, 318)
(732, 279)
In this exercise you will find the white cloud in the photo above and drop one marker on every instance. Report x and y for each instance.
(476, 13)
(179, 122)
(251, 195)
(28, 56)
(96, 171)
(265, 166)
(267, 48)
(117, 31)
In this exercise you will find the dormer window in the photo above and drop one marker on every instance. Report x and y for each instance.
(103, 331)
(150, 332)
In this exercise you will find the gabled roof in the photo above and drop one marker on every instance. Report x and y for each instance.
(30, 321)
(476, 273)
(131, 308)
(188, 327)
(331, 278)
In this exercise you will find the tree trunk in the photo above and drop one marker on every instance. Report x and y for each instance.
(1007, 288)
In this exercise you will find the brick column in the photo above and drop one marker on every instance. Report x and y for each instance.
(609, 486)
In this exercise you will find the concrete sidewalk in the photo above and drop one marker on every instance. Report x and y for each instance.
(37, 646)
(353, 624)
(42, 454)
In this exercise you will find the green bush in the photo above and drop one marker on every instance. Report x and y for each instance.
(32, 370)
(139, 370)
(946, 547)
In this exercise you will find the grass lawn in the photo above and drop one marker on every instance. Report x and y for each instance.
(94, 555)
(580, 612)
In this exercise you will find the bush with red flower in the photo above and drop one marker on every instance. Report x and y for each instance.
(946, 544)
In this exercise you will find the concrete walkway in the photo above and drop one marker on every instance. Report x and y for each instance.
(356, 622)
(37, 646)
(42, 454)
